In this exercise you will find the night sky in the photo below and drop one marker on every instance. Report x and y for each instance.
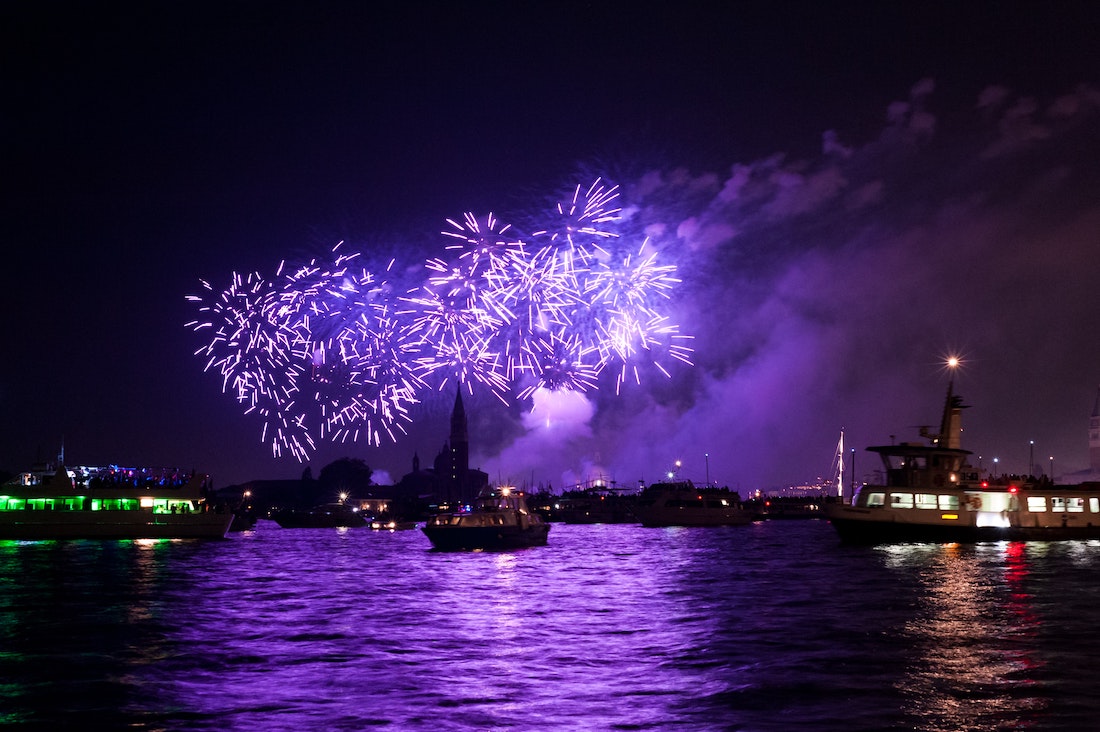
(851, 192)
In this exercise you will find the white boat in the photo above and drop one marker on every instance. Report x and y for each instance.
(931, 492)
(498, 519)
(684, 504)
(110, 503)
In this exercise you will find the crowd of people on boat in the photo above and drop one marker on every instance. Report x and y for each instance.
(116, 477)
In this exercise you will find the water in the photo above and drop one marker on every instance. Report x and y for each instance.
(774, 626)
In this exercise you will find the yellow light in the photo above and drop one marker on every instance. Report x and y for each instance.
(951, 516)
(146, 502)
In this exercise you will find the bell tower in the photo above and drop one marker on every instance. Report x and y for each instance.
(459, 462)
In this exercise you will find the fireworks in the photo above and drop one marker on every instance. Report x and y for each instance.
(332, 350)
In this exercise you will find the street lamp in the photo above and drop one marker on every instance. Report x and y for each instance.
(853, 472)
(1051, 468)
(1031, 458)
(995, 461)
(706, 456)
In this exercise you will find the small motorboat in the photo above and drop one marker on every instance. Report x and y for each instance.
(498, 519)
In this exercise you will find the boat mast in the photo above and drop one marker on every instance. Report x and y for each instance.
(840, 466)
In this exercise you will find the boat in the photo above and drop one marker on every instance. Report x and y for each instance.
(325, 516)
(682, 503)
(498, 519)
(787, 508)
(84, 502)
(930, 492)
(598, 505)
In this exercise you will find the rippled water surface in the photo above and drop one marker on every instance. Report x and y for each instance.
(773, 626)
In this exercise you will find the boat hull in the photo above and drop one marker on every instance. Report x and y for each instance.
(882, 526)
(458, 538)
(43, 525)
(318, 522)
(665, 519)
(337, 516)
(886, 532)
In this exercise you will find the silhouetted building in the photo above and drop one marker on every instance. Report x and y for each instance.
(450, 479)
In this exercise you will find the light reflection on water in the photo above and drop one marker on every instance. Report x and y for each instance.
(773, 626)
(970, 666)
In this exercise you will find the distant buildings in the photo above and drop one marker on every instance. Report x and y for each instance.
(449, 480)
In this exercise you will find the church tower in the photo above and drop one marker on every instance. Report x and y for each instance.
(459, 463)
(1094, 435)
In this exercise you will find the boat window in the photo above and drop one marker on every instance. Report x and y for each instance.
(901, 500)
(1036, 504)
(926, 500)
(876, 499)
(1094, 505)
(949, 503)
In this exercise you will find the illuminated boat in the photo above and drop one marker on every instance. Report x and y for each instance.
(326, 516)
(684, 504)
(931, 493)
(498, 519)
(110, 503)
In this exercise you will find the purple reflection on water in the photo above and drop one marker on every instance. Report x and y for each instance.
(769, 626)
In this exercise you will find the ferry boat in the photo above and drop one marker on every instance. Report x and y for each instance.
(931, 493)
(85, 502)
(684, 504)
(498, 519)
